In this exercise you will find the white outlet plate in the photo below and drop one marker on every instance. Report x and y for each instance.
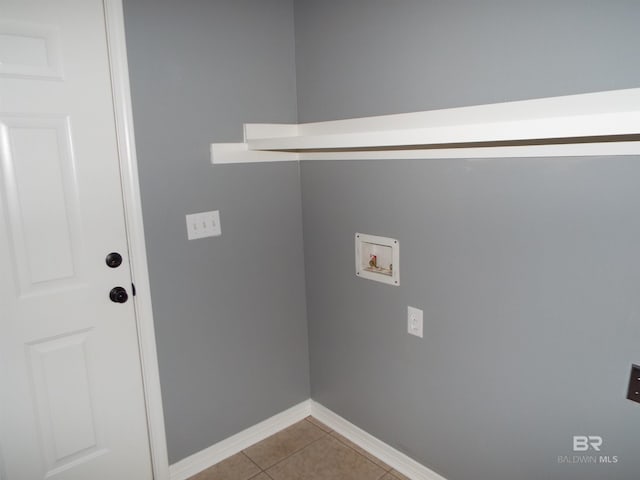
(414, 321)
(203, 224)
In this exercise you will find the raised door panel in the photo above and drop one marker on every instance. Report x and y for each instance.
(61, 377)
(29, 50)
(40, 182)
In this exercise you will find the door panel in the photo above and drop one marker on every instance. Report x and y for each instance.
(28, 50)
(71, 396)
(63, 399)
(43, 239)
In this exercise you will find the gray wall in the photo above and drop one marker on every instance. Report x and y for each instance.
(527, 269)
(368, 57)
(229, 311)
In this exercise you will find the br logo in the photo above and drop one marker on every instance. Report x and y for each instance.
(583, 443)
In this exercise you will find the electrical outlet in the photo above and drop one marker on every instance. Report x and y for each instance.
(203, 224)
(634, 384)
(414, 321)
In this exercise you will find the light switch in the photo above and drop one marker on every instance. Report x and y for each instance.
(203, 224)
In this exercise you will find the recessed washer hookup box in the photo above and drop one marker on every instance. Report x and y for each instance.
(378, 258)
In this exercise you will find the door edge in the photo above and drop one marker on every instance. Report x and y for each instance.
(116, 43)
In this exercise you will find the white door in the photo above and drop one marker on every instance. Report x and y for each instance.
(71, 395)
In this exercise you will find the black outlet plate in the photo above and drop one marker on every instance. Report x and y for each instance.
(634, 384)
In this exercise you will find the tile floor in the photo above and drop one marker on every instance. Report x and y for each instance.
(307, 450)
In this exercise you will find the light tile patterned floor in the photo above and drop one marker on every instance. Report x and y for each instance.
(307, 450)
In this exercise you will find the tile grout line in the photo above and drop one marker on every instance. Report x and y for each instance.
(330, 434)
(318, 425)
(251, 460)
(264, 470)
(349, 446)
(265, 473)
(326, 434)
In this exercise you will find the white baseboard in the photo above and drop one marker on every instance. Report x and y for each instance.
(216, 453)
(392, 457)
(204, 459)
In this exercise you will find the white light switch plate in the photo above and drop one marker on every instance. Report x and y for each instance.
(203, 224)
(414, 321)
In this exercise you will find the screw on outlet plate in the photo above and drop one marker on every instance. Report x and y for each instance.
(633, 393)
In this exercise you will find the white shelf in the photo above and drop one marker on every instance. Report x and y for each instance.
(603, 123)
